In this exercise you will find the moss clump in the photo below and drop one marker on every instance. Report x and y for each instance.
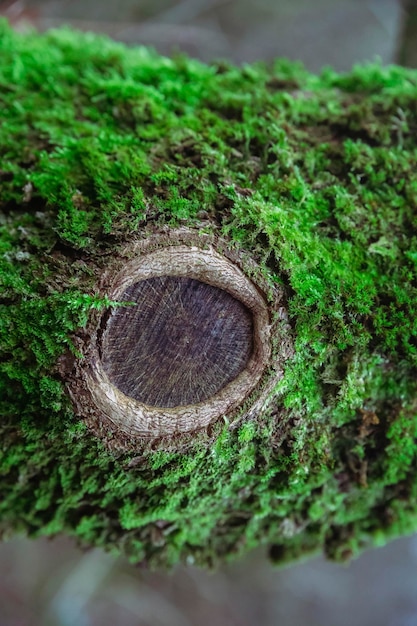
(316, 178)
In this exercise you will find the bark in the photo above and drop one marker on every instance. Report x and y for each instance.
(208, 296)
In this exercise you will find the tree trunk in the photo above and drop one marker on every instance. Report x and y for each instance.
(208, 302)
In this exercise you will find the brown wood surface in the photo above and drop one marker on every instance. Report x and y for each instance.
(181, 342)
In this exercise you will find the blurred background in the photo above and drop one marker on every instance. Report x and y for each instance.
(54, 583)
(319, 32)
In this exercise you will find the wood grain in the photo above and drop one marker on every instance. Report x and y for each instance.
(191, 346)
(180, 343)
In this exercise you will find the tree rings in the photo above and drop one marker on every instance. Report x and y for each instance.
(187, 342)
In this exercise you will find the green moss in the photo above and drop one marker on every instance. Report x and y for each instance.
(315, 177)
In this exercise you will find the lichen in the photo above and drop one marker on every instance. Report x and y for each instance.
(315, 177)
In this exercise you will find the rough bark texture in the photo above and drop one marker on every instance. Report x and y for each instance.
(308, 186)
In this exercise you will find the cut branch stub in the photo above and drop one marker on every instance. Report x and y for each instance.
(187, 344)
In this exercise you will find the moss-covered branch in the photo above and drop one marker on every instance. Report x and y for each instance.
(308, 186)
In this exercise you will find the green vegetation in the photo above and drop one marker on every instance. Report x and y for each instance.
(314, 176)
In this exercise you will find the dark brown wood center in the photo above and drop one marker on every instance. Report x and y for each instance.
(180, 343)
